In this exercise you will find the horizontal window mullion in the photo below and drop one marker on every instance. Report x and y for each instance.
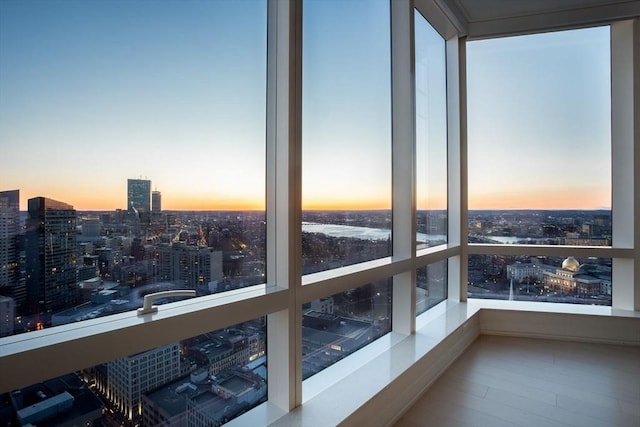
(549, 250)
(69, 349)
(319, 285)
(435, 254)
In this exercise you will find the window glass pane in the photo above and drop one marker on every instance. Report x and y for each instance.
(336, 326)
(541, 227)
(205, 380)
(571, 279)
(431, 135)
(346, 133)
(133, 153)
(539, 141)
(431, 285)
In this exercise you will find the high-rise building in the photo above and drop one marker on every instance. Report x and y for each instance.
(189, 266)
(9, 252)
(128, 377)
(50, 241)
(156, 201)
(138, 195)
(7, 315)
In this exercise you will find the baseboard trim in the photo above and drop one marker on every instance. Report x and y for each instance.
(388, 406)
(614, 330)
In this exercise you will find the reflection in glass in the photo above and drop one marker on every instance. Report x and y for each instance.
(334, 327)
(431, 285)
(575, 280)
(431, 135)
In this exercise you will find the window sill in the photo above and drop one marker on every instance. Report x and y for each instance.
(382, 383)
(370, 372)
(89, 343)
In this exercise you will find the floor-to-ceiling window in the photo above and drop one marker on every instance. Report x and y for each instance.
(539, 140)
(335, 294)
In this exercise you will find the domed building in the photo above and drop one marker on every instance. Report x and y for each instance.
(572, 279)
(571, 264)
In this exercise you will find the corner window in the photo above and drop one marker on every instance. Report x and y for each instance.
(539, 118)
(431, 285)
(431, 135)
(539, 156)
(335, 326)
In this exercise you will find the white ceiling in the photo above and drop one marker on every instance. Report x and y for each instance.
(479, 10)
(490, 18)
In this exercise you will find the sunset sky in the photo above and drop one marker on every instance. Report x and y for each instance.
(95, 92)
(539, 121)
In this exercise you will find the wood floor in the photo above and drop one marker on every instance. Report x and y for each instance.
(503, 381)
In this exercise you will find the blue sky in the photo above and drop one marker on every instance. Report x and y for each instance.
(346, 106)
(431, 116)
(95, 92)
(539, 120)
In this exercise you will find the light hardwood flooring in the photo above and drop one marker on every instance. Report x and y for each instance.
(505, 381)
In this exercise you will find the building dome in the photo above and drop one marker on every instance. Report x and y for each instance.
(571, 264)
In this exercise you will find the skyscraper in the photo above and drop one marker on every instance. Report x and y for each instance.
(129, 377)
(9, 252)
(139, 195)
(51, 255)
(190, 266)
(156, 201)
(7, 314)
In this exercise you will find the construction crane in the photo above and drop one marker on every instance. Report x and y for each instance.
(176, 238)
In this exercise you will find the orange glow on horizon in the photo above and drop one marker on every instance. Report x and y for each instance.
(338, 204)
(101, 202)
(432, 202)
(204, 203)
(533, 199)
(540, 199)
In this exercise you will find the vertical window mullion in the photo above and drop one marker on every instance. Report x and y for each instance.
(625, 88)
(284, 75)
(457, 158)
(403, 169)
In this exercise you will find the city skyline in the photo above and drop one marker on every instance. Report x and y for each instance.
(135, 172)
(325, 208)
(174, 95)
(92, 96)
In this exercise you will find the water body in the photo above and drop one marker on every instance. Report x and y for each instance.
(367, 233)
(510, 240)
(364, 233)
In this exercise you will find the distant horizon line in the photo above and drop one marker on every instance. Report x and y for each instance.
(352, 210)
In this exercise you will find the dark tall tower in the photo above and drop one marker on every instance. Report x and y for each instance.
(156, 202)
(51, 255)
(10, 280)
(139, 195)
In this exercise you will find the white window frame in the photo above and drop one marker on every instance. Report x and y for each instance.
(40, 355)
(625, 136)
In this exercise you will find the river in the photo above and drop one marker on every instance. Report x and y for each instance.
(364, 233)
